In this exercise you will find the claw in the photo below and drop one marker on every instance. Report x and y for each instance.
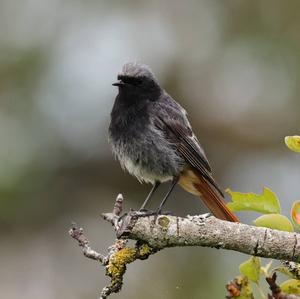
(145, 212)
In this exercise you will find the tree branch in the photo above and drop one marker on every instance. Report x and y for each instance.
(208, 231)
(155, 233)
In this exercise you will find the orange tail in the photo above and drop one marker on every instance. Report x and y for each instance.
(194, 183)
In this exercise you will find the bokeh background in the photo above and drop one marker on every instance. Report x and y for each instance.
(235, 67)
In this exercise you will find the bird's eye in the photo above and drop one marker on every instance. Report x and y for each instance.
(138, 81)
(131, 80)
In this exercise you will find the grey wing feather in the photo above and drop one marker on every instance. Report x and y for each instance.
(171, 118)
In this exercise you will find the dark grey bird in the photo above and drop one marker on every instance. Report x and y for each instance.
(152, 138)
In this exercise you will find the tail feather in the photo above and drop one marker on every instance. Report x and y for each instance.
(211, 197)
(215, 202)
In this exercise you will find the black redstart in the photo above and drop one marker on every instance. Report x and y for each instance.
(152, 138)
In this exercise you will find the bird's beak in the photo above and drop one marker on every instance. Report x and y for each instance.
(119, 83)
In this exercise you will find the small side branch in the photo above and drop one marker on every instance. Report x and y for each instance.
(77, 234)
(119, 254)
(276, 290)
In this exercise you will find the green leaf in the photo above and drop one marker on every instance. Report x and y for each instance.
(246, 290)
(274, 221)
(251, 268)
(295, 213)
(290, 269)
(290, 272)
(265, 270)
(291, 286)
(293, 143)
(284, 271)
(265, 203)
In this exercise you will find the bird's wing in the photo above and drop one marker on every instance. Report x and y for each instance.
(171, 119)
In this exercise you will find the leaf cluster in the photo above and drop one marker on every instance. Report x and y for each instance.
(251, 271)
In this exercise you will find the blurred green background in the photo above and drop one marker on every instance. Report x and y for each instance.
(234, 65)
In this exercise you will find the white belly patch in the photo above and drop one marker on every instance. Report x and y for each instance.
(142, 174)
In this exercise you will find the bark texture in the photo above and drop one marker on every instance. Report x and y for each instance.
(208, 231)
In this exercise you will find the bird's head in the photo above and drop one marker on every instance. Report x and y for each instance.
(137, 79)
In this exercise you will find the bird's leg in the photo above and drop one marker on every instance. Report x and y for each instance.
(155, 186)
(174, 182)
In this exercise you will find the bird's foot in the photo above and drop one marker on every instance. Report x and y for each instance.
(159, 212)
(205, 216)
(165, 213)
(146, 213)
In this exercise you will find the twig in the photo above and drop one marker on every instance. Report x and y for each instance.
(276, 290)
(77, 234)
(119, 255)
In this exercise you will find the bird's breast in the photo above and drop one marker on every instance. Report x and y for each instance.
(145, 153)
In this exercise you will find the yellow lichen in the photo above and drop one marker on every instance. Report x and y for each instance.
(117, 262)
(145, 250)
(163, 221)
